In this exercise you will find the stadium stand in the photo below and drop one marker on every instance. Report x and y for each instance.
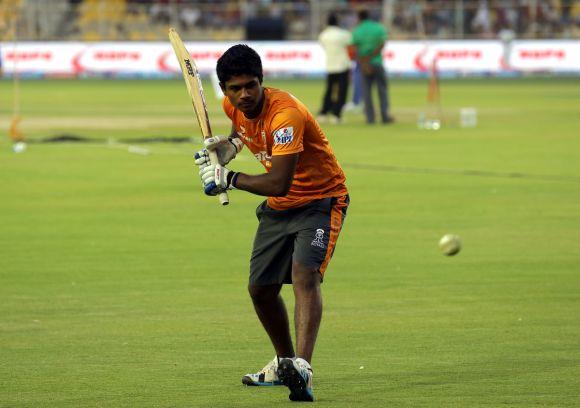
(99, 20)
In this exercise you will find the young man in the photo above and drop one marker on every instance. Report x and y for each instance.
(300, 221)
(369, 38)
(335, 41)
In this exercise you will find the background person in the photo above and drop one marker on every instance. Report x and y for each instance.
(355, 103)
(335, 41)
(369, 38)
(300, 221)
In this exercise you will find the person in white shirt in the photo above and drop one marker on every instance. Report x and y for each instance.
(335, 42)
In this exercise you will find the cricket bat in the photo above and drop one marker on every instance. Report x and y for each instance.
(195, 89)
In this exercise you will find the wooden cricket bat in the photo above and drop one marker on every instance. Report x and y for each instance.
(195, 89)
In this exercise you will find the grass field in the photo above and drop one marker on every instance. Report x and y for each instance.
(116, 289)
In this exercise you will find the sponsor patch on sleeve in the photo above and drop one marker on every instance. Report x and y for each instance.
(283, 136)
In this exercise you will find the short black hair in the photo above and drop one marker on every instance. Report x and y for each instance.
(363, 15)
(239, 60)
(332, 20)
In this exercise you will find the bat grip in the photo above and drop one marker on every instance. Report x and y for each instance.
(223, 197)
(224, 200)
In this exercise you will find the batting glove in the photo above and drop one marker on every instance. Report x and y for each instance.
(216, 179)
(225, 147)
(202, 158)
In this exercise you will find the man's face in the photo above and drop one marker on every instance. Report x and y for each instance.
(245, 93)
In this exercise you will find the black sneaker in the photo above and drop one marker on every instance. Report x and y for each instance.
(296, 374)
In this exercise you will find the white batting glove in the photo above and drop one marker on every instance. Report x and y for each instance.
(201, 159)
(216, 179)
(225, 147)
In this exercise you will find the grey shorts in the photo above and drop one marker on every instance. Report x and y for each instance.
(306, 234)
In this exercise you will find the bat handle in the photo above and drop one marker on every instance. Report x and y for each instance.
(224, 200)
(223, 197)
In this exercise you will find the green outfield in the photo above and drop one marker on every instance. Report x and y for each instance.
(122, 285)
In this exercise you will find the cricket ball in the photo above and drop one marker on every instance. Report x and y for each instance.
(450, 244)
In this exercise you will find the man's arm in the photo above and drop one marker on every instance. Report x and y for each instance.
(365, 62)
(233, 133)
(275, 183)
(377, 50)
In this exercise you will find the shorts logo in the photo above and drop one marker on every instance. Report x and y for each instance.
(284, 135)
(318, 238)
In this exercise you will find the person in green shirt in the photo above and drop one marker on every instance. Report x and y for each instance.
(369, 38)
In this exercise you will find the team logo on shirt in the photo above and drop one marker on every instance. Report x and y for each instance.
(284, 135)
(318, 238)
(242, 133)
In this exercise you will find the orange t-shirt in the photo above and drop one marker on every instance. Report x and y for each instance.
(285, 126)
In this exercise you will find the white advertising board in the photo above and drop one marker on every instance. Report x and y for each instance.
(288, 58)
(547, 56)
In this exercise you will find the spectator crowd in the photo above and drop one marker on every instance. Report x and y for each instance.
(301, 19)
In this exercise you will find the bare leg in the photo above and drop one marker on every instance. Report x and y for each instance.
(308, 308)
(271, 311)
